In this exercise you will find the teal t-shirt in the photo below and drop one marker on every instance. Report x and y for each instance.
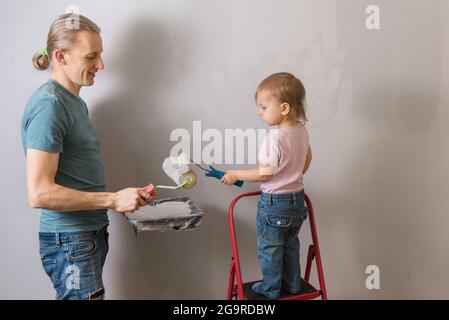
(56, 121)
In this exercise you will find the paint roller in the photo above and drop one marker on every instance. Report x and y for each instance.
(179, 171)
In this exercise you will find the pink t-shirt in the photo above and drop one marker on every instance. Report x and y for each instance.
(283, 154)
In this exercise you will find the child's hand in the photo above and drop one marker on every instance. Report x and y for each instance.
(229, 178)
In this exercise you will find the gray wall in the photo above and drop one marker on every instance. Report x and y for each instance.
(378, 109)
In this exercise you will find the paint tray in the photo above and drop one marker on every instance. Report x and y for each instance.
(171, 214)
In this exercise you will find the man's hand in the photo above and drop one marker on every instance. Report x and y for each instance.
(229, 178)
(130, 199)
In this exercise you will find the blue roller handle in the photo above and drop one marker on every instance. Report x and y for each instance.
(219, 174)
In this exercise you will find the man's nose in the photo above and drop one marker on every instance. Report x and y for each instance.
(99, 64)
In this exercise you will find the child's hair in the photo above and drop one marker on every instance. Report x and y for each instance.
(62, 35)
(286, 88)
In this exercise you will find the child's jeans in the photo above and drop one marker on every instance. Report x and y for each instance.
(279, 219)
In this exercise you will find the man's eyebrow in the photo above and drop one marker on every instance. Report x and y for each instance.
(95, 52)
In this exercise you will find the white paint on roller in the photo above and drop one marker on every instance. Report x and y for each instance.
(175, 168)
(162, 210)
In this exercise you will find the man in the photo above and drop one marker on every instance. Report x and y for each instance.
(64, 168)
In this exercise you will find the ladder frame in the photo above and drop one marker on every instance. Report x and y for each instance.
(235, 290)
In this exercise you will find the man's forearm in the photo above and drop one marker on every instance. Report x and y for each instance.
(59, 198)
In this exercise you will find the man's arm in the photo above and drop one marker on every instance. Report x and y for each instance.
(43, 192)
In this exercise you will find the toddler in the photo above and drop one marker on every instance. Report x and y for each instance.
(284, 158)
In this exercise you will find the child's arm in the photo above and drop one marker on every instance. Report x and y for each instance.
(251, 175)
(308, 160)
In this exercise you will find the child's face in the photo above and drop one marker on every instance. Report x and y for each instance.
(270, 109)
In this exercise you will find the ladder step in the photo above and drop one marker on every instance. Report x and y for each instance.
(307, 292)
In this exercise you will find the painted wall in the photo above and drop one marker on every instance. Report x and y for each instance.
(378, 110)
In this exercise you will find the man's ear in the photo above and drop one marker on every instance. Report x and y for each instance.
(59, 56)
(285, 109)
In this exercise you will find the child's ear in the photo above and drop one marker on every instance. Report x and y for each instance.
(285, 109)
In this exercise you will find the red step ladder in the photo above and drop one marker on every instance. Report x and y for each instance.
(242, 291)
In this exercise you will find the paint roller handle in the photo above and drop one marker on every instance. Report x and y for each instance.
(219, 174)
(150, 190)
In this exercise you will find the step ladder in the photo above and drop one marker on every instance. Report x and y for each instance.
(239, 290)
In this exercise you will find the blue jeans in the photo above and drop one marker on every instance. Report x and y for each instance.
(279, 219)
(74, 262)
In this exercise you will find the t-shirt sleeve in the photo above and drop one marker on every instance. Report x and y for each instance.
(269, 154)
(47, 126)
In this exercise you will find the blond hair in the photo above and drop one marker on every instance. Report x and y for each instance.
(62, 35)
(286, 88)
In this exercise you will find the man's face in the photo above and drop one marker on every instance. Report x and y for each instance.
(83, 59)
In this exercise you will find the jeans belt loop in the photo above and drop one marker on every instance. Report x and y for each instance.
(58, 240)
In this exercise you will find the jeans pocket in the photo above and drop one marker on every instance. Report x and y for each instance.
(49, 256)
(82, 249)
(48, 252)
(303, 213)
(276, 226)
(49, 259)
